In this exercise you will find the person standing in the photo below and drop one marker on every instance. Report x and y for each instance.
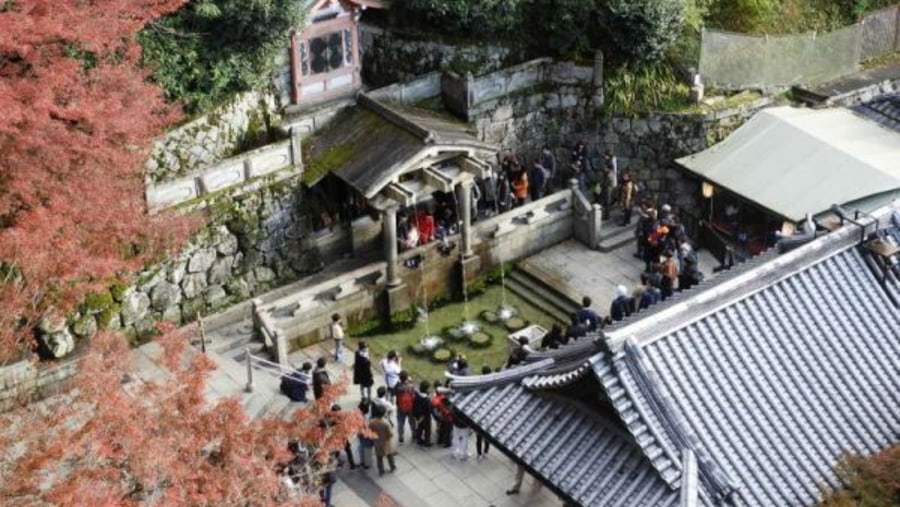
(391, 365)
(381, 400)
(537, 180)
(320, 378)
(626, 195)
(406, 399)
(669, 271)
(520, 187)
(366, 444)
(548, 162)
(461, 433)
(482, 446)
(422, 415)
(443, 416)
(362, 371)
(337, 334)
(383, 437)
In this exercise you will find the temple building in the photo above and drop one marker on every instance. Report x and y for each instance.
(325, 58)
(745, 390)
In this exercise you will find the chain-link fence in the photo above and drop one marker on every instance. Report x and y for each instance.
(735, 61)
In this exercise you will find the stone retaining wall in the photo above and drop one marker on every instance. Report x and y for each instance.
(213, 137)
(254, 242)
(390, 56)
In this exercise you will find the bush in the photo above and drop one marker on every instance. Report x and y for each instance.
(644, 29)
(649, 87)
(211, 49)
(479, 17)
(515, 324)
(441, 355)
(480, 340)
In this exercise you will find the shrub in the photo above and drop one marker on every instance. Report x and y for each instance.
(441, 355)
(480, 340)
(211, 49)
(644, 29)
(483, 17)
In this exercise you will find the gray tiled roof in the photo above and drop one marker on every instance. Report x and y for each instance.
(884, 110)
(584, 455)
(767, 377)
(778, 385)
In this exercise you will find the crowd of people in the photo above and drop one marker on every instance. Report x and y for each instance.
(514, 182)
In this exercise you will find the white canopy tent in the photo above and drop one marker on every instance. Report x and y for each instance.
(794, 161)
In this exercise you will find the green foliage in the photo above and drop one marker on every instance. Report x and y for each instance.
(96, 302)
(480, 340)
(211, 49)
(441, 355)
(644, 29)
(563, 27)
(650, 87)
(787, 16)
(478, 17)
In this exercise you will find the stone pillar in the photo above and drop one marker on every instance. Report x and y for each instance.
(598, 79)
(389, 235)
(464, 197)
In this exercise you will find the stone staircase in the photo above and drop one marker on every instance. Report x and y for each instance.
(614, 236)
(538, 289)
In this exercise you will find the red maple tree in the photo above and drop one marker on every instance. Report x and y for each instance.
(78, 116)
(114, 439)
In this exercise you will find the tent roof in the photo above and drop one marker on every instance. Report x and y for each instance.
(794, 161)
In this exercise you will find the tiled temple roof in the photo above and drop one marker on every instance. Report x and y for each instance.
(768, 377)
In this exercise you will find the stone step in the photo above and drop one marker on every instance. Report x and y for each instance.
(614, 236)
(542, 287)
(528, 293)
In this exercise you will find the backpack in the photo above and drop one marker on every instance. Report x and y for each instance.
(405, 398)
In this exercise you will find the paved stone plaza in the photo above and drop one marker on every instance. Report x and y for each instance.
(576, 271)
(425, 477)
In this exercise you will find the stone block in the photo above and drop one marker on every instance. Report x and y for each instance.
(225, 175)
(220, 271)
(398, 299)
(193, 284)
(176, 272)
(164, 295)
(263, 274)
(227, 243)
(201, 260)
(168, 194)
(135, 306)
(269, 160)
(85, 327)
(215, 296)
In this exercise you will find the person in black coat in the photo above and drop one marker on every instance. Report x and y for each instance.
(362, 371)
(296, 384)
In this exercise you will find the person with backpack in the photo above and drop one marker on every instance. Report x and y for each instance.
(320, 378)
(295, 385)
(362, 371)
(443, 416)
(406, 395)
(422, 414)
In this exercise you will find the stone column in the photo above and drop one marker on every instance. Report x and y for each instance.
(464, 198)
(389, 235)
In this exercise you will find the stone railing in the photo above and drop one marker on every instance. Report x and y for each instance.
(26, 381)
(278, 160)
(463, 94)
(422, 87)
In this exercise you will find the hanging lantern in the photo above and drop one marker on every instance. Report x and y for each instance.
(708, 190)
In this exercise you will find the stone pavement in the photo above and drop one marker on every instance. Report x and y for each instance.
(577, 271)
(425, 477)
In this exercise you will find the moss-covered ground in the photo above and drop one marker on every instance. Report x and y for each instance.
(451, 315)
